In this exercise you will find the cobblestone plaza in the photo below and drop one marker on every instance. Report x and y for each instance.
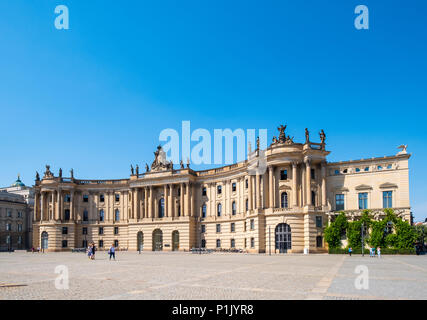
(180, 275)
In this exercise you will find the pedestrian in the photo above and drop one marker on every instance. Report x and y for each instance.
(93, 250)
(349, 251)
(89, 251)
(373, 252)
(379, 252)
(112, 252)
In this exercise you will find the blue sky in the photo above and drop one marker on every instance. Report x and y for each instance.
(95, 97)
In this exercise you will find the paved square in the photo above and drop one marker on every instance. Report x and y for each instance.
(170, 275)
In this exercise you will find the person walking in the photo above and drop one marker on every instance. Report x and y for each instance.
(349, 251)
(379, 252)
(112, 252)
(89, 251)
(93, 250)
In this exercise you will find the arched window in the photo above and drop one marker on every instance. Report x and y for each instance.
(219, 209)
(284, 200)
(161, 208)
(204, 211)
(117, 215)
(101, 215)
(233, 208)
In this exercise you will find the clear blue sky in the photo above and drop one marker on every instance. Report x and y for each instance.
(95, 97)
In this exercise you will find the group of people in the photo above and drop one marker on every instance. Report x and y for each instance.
(371, 251)
(91, 249)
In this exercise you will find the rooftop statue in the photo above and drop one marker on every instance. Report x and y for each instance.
(131, 170)
(37, 176)
(72, 173)
(48, 173)
(322, 136)
(160, 162)
(181, 163)
(282, 135)
(307, 136)
(403, 147)
(137, 169)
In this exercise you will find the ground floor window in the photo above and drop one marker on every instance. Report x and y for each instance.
(101, 243)
(252, 242)
(232, 243)
(319, 241)
(203, 245)
(218, 243)
(116, 243)
(64, 243)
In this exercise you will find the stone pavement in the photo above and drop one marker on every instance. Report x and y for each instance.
(177, 275)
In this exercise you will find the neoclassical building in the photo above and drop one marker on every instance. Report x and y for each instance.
(278, 200)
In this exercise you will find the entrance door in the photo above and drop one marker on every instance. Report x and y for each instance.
(283, 237)
(140, 241)
(175, 240)
(45, 238)
(157, 240)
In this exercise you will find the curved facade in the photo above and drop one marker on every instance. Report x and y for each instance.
(278, 200)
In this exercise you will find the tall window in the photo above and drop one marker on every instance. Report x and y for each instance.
(101, 230)
(67, 214)
(67, 198)
(233, 208)
(233, 187)
(117, 197)
(161, 208)
(252, 242)
(85, 215)
(339, 202)
(247, 205)
(117, 215)
(232, 243)
(64, 243)
(101, 243)
(101, 198)
(319, 222)
(64, 230)
(116, 243)
(116, 230)
(203, 191)
(101, 215)
(202, 228)
(313, 173)
(219, 189)
(219, 210)
(283, 174)
(319, 242)
(363, 200)
(252, 224)
(232, 227)
(218, 243)
(387, 199)
(85, 198)
(246, 183)
(218, 228)
(8, 227)
(284, 200)
(204, 211)
(313, 198)
(84, 230)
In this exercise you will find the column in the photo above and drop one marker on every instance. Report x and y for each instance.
(145, 202)
(36, 205)
(250, 198)
(71, 206)
(307, 182)
(150, 203)
(134, 204)
(171, 202)
(61, 205)
(257, 191)
(165, 197)
(43, 207)
(182, 199)
(294, 184)
(270, 181)
(323, 173)
(187, 198)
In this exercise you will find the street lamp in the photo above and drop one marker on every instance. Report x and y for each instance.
(363, 242)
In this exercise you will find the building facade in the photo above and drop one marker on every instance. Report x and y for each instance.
(16, 215)
(278, 200)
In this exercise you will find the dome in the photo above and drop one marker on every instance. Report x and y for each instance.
(18, 183)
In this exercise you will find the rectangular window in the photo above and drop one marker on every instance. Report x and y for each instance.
(117, 197)
(232, 227)
(85, 216)
(252, 224)
(339, 202)
(19, 227)
(19, 239)
(64, 243)
(9, 213)
(202, 228)
(64, 230)
(313, 174)
(283, 174)
(84, 230)
(233, 187)
(85, 198)
(116, 230)
(101, 230)
(8, 227)
(116, 243)
(101, 243)
(363, 200)
(84, 244)
(218, 228)
(101, 198)
(246, 183)
(67, 214)
(204, 191)
(319, 242)
(232, 243)
(67, 198)
(219, 189)
(252, 242)
(218, 243)
(319, 222)
(387, 199)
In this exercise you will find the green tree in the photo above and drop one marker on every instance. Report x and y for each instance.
(406, 235)
(336, 230)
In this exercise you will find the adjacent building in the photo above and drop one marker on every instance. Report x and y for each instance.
(278, 200)
(16, 214)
